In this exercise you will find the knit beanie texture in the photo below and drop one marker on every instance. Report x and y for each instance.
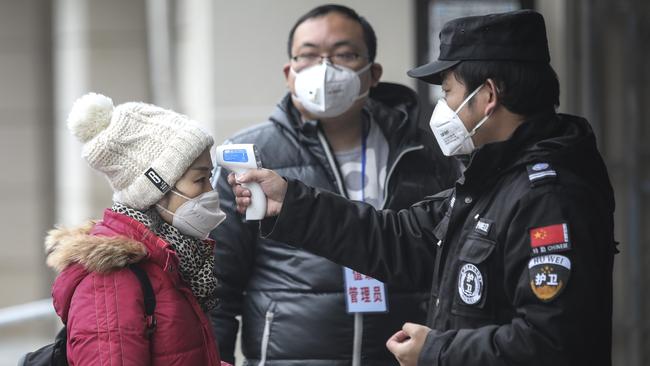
(142, 149)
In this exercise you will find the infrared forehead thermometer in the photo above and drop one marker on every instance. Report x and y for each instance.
(240, 158)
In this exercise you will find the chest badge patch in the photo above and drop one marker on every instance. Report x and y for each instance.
(548, 275)
(470, 284)
(483, 226)
(548, 239)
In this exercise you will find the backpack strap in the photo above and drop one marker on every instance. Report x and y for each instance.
(55, 353)
(149, 297)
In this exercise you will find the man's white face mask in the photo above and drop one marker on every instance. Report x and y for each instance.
(449, 129)
(326, 90)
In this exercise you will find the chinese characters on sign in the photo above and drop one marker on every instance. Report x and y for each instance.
(364, 294)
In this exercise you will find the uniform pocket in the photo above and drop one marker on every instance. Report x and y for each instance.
(472, 278)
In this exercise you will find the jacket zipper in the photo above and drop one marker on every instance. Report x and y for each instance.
(358, 318)
(392, 169)
(339, 182)
(332, 162)
(265, 337)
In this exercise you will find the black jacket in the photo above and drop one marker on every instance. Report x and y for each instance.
(295, 295)
(524, 249)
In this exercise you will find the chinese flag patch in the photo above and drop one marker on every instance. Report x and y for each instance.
(552, 238)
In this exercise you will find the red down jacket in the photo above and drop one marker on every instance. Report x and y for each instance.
(102, 303)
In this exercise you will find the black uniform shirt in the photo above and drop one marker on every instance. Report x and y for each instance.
(524, 249)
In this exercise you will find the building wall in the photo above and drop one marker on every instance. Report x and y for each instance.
(26, 204)
(25, 147)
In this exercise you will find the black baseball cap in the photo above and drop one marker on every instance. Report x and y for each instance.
(514, 36)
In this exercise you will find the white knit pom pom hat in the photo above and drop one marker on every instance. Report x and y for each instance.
(142, 149)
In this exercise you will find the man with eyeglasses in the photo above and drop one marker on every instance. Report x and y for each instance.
(340, 129)
(524, 241)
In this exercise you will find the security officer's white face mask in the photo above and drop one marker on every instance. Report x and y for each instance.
(449, 129)
(326, 90)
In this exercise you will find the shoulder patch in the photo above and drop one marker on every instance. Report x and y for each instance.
(548, 275)
(540, 172)
(549, 239)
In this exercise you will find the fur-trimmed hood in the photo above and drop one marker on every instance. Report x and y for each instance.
(95, 253)
(102, 248)
(103, 303)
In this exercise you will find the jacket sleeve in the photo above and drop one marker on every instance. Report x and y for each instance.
(234, 253)
(106, 323)
(559, 330)
(390, 246)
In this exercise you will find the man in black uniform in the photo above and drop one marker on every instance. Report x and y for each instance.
(524, 241)
(292, 304)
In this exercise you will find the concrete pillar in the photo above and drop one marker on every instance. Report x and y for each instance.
(98, 46)
(71, 80)
(196, 55)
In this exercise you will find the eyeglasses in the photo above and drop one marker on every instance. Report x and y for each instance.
(341, 59)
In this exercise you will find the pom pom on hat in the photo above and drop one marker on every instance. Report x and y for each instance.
(90, 115)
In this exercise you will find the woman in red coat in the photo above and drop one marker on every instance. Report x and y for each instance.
(159, 167)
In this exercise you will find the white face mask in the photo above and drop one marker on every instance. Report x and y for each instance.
(450, 131)
(197, 216)
(327, 90)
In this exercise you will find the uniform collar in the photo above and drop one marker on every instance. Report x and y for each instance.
(489, 161)
(392, 107)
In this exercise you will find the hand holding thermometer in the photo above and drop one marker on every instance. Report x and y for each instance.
(240, 158)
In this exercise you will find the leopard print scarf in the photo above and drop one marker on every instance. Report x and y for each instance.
(196, 258)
